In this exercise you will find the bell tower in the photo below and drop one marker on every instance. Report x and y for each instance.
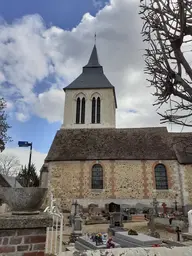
(90, 100)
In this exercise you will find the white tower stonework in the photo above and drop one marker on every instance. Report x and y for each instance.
(90, 100)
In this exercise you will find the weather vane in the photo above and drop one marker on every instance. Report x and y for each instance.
(95, 38)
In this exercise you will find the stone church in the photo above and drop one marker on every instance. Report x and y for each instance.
(94, 162)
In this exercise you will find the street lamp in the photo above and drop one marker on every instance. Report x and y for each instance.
(27, 144)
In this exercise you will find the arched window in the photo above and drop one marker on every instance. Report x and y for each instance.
(78, 110)
(93, 111)
(161, 177)
(96, 110)
(97, 177)
(83, 110)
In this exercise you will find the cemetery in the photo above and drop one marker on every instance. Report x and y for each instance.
(27, 228)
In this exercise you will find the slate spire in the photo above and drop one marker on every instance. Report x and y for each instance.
(94, 60)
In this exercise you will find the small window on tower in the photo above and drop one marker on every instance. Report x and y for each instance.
(78, 110)
(93, 111)
(83, 111)
(98, 110)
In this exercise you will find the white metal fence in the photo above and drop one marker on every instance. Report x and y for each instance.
(54, 238)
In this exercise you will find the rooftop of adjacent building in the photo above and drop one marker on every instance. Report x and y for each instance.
(9, 181)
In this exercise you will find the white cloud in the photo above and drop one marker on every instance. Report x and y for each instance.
(51, 102)
(2, 77)
(97, 4)
(29, 52)
(23, 155)
(21, 117)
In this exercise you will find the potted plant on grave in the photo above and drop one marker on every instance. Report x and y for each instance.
(132, 232)
(27, 197)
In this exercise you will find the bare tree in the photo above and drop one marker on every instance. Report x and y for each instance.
(4, 138)
(167, 30)
(9, 165)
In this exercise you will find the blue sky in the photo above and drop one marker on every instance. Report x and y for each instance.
(65, 14)
(62, 13)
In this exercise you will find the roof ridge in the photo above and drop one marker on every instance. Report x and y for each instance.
(119, 129)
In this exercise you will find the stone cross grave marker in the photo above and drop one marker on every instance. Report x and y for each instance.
(155, 204)
(164, 208)
(178, 231)
(76, 224)
(175, 203)
(152, 213)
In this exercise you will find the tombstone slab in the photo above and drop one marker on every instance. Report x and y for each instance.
(113, 230)
(140, 240)
(85, 243)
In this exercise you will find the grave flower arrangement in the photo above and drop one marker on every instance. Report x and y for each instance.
(110, 243)
(98, 239)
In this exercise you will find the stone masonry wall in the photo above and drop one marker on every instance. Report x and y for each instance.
(188, 182)
(23, 242)
(122, 180)
(64, 180)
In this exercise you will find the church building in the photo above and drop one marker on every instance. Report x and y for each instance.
(94, 162)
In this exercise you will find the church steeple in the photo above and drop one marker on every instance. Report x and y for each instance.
(94, 60)
(90, 100)
(92, 76)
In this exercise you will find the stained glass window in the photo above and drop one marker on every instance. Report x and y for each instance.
(161, 177)
(97, 177)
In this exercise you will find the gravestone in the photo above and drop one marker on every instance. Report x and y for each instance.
(140, 240)
(93, 209)
(190, 221)
(76, 225)
(116, 219)
(178, 231)
(87, 243)
(74, 210)
(151, 224)
(155, 204)
(95, 215)
(188, 236)
(114, 207)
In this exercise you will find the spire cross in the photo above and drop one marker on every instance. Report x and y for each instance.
(95, 38)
